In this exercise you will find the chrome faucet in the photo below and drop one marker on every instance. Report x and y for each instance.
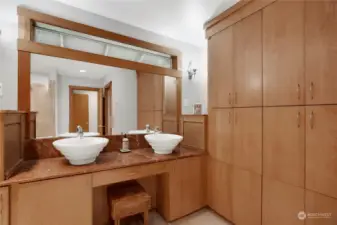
(157, 130)
(79, 131)
(147, 128)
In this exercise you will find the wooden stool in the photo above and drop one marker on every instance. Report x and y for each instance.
(128, 199)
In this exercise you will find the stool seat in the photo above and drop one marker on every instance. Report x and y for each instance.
(128, 199)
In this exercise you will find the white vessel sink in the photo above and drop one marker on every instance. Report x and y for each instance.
(140, 132)
(80, 151)
(163, 143)
(85, 134)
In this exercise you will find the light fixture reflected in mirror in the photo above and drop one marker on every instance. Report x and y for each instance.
(191, 72)
(83, 71)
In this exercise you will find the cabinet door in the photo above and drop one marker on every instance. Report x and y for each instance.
(220, 139)
(321, 52)
(150, 92)
(281, 203)
(247, 152)
(283, 144)
(247, 187)
(220, 65)
(65, 201)
(4, 206)
(219, 192)
(321, 150)
(248, 61)
(170, 98)
(315, 202)
(283, 53)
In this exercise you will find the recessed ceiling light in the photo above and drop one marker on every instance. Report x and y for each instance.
(83, 71)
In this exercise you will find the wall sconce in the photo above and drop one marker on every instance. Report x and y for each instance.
(190, 71)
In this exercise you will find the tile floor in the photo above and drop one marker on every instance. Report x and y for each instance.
(202, 217)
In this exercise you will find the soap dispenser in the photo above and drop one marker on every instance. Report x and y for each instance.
(125, 144)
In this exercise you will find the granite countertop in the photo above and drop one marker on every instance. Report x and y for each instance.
(35, 170)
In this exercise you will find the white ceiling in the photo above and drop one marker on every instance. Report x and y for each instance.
(179, 19)
(45, 65)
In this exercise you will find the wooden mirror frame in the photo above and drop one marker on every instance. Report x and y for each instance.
(27, 45)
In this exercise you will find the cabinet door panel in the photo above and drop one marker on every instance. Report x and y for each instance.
(220, 140)
(283, 53)
(247, 152)
(65, 201)
(283, 144)
(247, 187)
(219, 191)
(321, 52)
(4, 207)
(321, 150)
(317, 203)
(281, 203)
(248, 61)
(220, 64)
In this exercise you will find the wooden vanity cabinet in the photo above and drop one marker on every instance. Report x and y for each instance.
(65, 201)
(183, 190)
(4, 206)
(321, 51)
(283, 53)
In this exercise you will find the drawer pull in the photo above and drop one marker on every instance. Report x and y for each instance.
(312, 120)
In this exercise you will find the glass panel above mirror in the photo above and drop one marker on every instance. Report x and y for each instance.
(57, 36)
(67, 93)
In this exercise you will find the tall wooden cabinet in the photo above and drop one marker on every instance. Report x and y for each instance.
(321, 52)
(273, 112)
(283, 53)
(4, 206)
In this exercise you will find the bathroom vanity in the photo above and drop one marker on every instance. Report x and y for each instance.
(45, 189)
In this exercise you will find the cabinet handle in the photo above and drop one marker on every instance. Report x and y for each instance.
(229, 99)
(229, 117)
(312, 120)
(298, 91)
(311, 90)
(299, 119)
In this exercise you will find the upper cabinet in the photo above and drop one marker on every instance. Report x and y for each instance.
(321, 52)
(248, 61)
(283, 53)
(221, 69)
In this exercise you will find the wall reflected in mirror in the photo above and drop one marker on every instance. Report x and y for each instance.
(67, 93)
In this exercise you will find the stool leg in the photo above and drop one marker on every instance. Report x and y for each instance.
(117, 222)
(146, 217)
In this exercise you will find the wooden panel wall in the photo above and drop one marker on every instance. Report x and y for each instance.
(194, 130)
(12, 141)
(272, 125)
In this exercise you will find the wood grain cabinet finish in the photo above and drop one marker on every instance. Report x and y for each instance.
(65, 201)
(281, 203)
(248, 61)
(321, 52)
(246, 197)
(150, 92)
(219, 187)
(284, 143)
(283, 53)
(220, 138)
(317, 203)
(4, 206)
(221, 69)
(247, 133)
(321, 150)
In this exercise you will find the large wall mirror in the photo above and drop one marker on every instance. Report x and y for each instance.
(103, 100)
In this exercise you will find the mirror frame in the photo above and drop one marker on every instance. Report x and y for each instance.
(27, 45)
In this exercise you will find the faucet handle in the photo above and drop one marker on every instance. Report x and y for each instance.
(157, 129)
(79, 129)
